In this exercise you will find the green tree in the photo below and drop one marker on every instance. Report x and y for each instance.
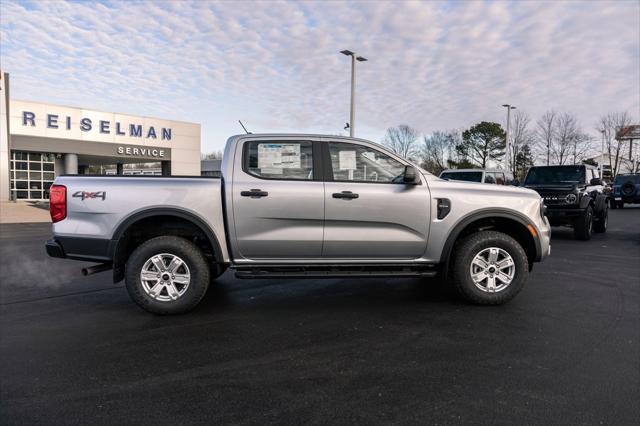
(524, 160)
(483, 142)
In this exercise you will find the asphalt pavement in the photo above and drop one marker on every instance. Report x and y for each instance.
(75, 349)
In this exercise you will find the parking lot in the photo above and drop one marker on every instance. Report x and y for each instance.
(565, 351)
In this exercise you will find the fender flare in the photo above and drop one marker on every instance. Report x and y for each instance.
(600, 204)
(165, 211)
(585, 200)
(484, 214)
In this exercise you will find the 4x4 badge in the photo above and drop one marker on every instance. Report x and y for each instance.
(84, 195)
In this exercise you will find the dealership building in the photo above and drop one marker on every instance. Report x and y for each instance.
(40, 141)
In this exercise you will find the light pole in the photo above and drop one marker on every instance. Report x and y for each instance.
(601, 162)
(509, 108)
(354, 58)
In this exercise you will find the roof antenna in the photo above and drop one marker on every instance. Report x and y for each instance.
(245, 129)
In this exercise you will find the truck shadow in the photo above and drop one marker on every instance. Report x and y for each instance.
(229, 293)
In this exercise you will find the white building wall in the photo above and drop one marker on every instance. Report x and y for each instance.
(184, 143)
(4, 141)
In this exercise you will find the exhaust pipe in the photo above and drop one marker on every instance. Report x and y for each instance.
(90, 270)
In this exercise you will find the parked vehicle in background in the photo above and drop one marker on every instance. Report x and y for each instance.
(626, 189)
(298, 206)
(495, 176)
(574, 196)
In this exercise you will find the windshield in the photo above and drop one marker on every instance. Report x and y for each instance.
(556, 174)
(464, 176)
(621, 179)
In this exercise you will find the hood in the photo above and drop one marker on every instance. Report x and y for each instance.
(490, 188)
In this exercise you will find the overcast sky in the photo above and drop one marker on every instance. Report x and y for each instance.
(277, 66)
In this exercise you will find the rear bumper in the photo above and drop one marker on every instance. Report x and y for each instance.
(54, 249)
(89, 249)
(627, 199)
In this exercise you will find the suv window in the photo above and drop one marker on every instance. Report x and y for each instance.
(279, 160)
(589, 175)
(351, 162)
(620, 179)
(463, 176)
(489, 178)
(542, 175)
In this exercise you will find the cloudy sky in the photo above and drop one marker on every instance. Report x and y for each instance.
(277, 66)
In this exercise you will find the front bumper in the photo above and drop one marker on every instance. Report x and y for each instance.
(563, 213)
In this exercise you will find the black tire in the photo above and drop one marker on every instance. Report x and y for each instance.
(613, 204)
(600, 225)
(583, 226)
(467, 249)
(193, 258)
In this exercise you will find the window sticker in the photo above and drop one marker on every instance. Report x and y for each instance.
(347, 160)
(278, 156)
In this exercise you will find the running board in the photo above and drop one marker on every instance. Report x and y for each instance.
(334, 270)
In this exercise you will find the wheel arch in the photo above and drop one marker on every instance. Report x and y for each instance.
(119, 245)
(510, 222)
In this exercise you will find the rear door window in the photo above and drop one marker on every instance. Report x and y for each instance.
(279, 160)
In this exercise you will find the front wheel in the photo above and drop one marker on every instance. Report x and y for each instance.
(167, 275)
(489, 268)
(583, 226)
(600, 225)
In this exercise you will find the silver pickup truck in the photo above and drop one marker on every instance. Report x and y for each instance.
(298, 206)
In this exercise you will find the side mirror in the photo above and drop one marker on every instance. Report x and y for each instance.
(596, 181)
(515, 182)
(410, 176)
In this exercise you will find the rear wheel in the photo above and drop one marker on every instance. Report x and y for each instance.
(583, 226)
(167, 275)
(489, 268)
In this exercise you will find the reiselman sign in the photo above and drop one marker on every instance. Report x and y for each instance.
(54, 121)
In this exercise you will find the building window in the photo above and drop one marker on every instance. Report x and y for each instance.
(31, 175)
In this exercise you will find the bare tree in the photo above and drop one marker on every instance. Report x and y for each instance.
(610, 124)
(571, 144)
(437, 150)
(545, 133)
(521, 136)
(401, 140)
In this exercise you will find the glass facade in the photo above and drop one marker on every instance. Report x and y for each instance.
(31, 175)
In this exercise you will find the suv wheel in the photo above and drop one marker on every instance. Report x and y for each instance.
(489, 268)
(583, 226)
(167, 275)
(600, 225)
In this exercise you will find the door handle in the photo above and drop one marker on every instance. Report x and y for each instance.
(254, 193)
(348, 195)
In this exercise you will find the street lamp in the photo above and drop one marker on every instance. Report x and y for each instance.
(601, 161)
(354, 58)
(509, 108)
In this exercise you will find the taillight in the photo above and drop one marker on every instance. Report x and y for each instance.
(58, 202)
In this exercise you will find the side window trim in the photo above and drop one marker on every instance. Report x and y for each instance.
(315, 157)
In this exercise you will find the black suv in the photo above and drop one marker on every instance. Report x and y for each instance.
(626, 189)
(574, 195)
